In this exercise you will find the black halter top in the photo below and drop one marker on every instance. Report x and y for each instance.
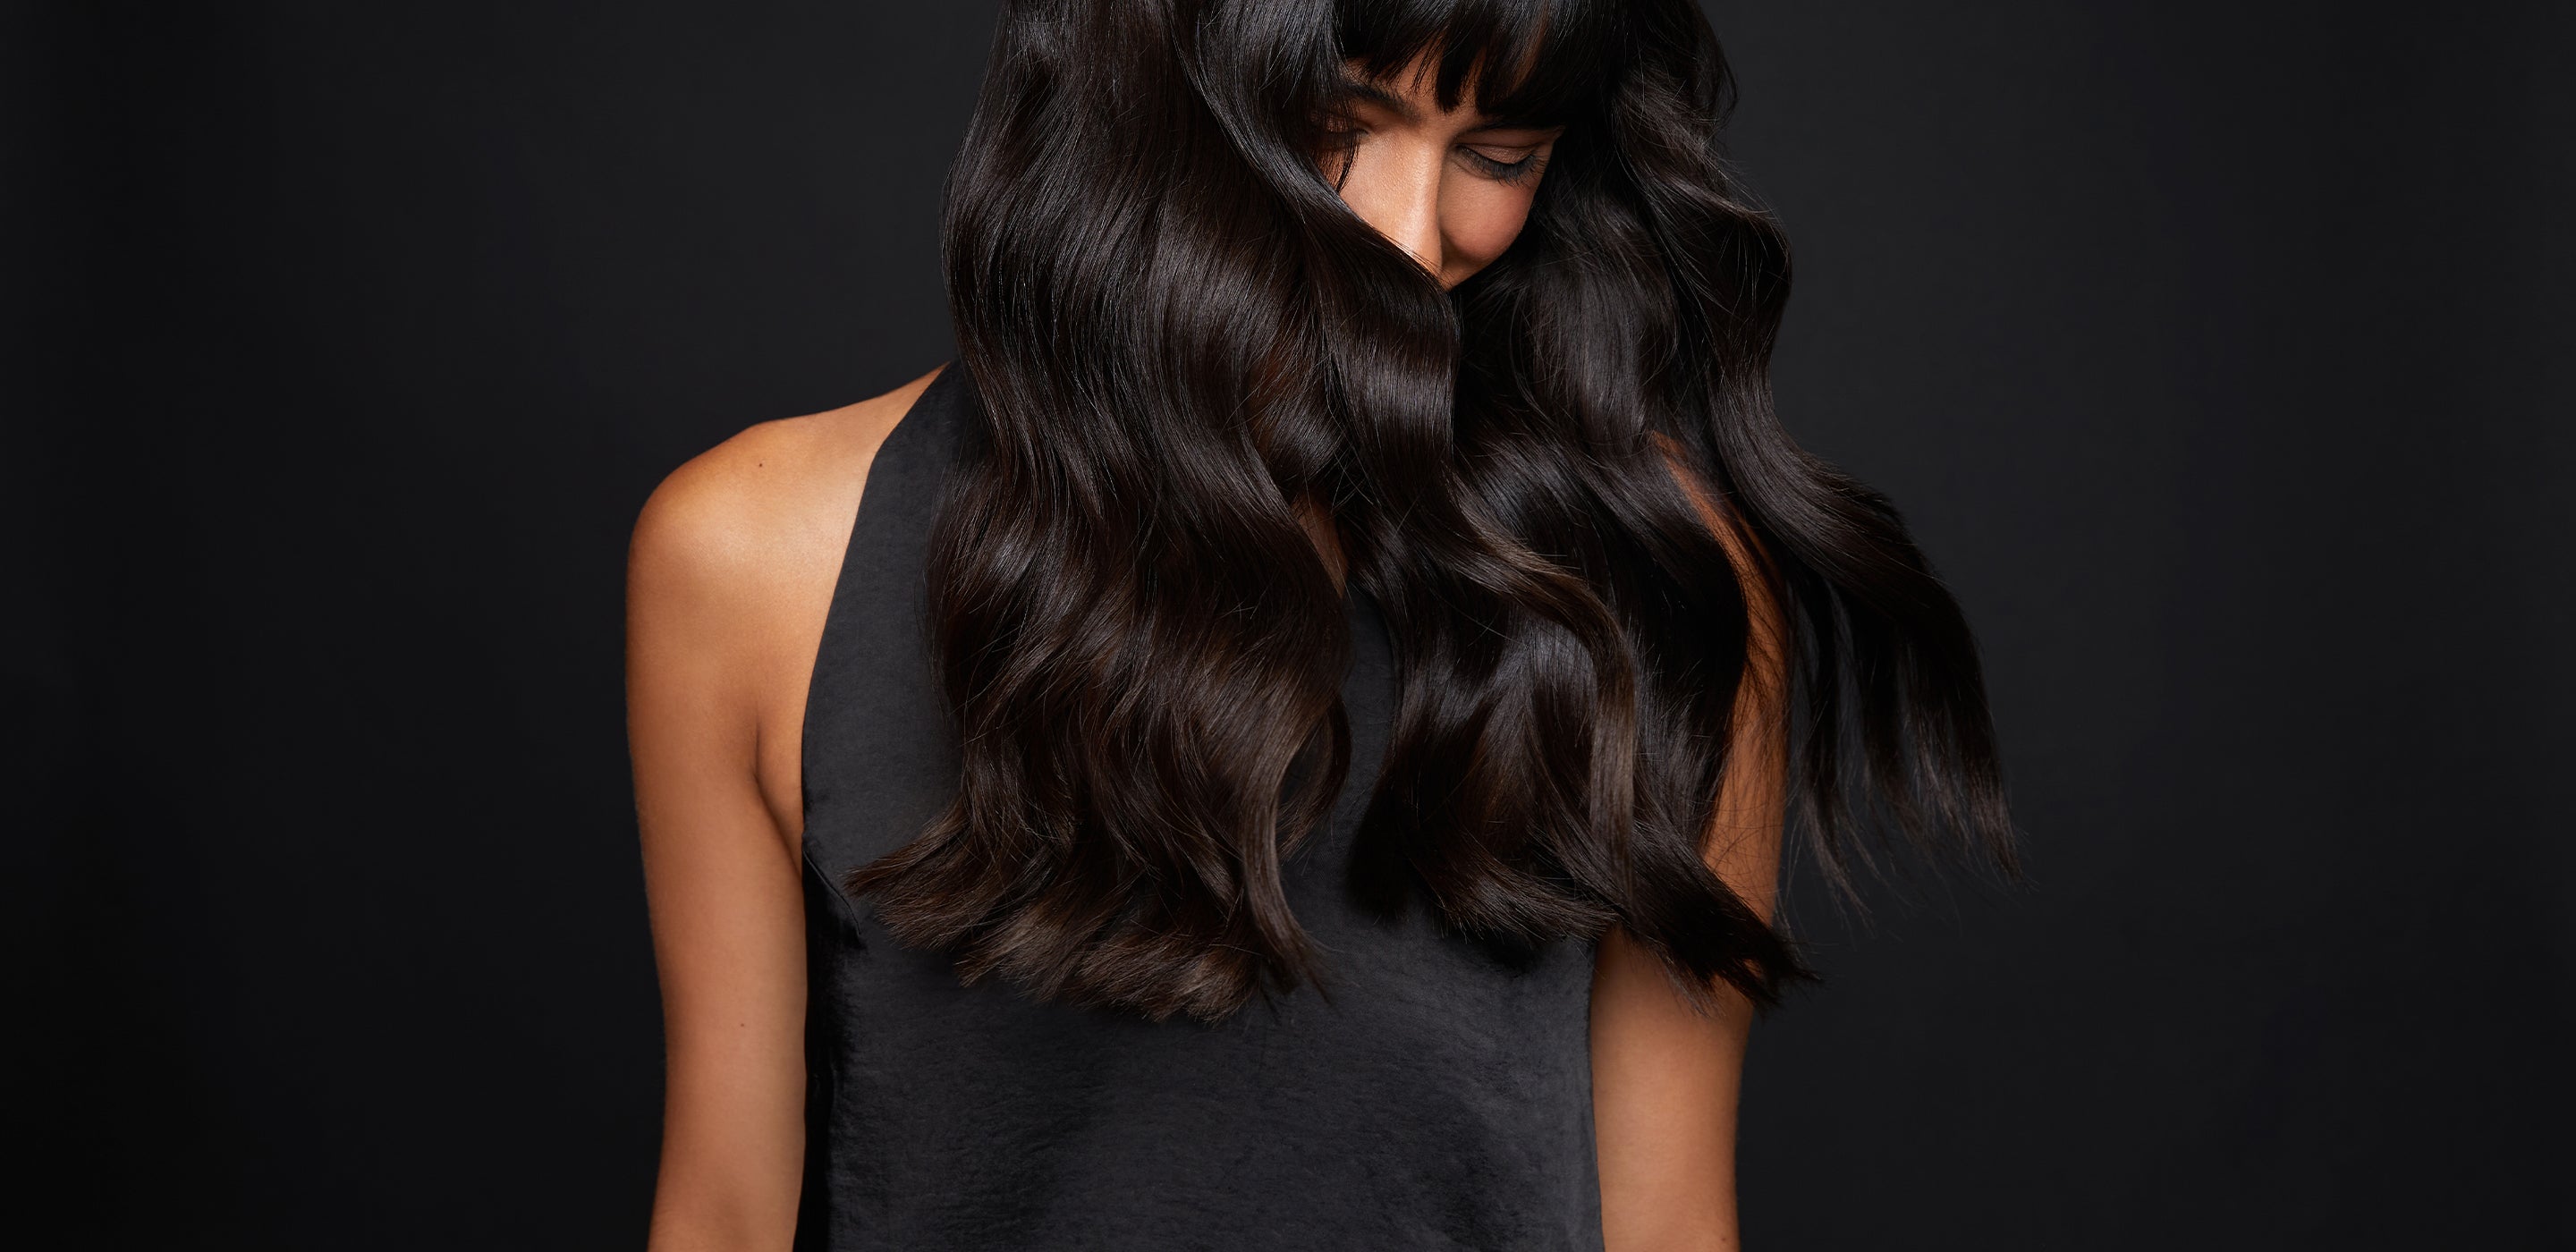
(1440, 1098)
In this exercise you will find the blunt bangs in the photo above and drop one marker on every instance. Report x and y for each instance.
(1555, 56)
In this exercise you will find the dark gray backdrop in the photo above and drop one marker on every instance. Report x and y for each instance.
(2219, 353)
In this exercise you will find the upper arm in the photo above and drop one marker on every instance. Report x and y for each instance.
(722, 880)
(1666, 1077)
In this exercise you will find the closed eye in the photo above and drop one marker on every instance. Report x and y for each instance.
(1500, 165)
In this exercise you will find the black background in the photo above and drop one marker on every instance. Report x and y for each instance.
(2220, 354)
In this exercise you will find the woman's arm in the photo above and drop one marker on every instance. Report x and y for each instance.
(721, 877)
(729, 580)
(1665, 1078)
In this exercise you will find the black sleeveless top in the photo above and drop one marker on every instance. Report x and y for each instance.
(1441, 1097)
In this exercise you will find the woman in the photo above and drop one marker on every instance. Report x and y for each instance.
(1285, 742)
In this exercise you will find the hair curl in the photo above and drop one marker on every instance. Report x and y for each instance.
(1187, 349)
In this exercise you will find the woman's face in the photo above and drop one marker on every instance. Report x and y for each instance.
(1449, 187)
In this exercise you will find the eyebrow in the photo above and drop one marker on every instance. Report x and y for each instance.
(1380, 96)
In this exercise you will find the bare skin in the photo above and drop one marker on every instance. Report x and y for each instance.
(730, 575)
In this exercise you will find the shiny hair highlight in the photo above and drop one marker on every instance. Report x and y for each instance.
(1187, 349)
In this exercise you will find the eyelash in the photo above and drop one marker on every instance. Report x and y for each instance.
(1343, 140)
(1508, 173)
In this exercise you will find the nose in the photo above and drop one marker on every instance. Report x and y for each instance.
(1401, 197)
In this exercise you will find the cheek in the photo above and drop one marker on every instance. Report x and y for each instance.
(1480, 217)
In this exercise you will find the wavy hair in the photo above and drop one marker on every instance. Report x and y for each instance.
(1195, 364)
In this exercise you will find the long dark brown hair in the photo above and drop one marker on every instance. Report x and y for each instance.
(1181, 337)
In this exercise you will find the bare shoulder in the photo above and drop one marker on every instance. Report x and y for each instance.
(733, 559)
(729, 579)
(766, 511)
